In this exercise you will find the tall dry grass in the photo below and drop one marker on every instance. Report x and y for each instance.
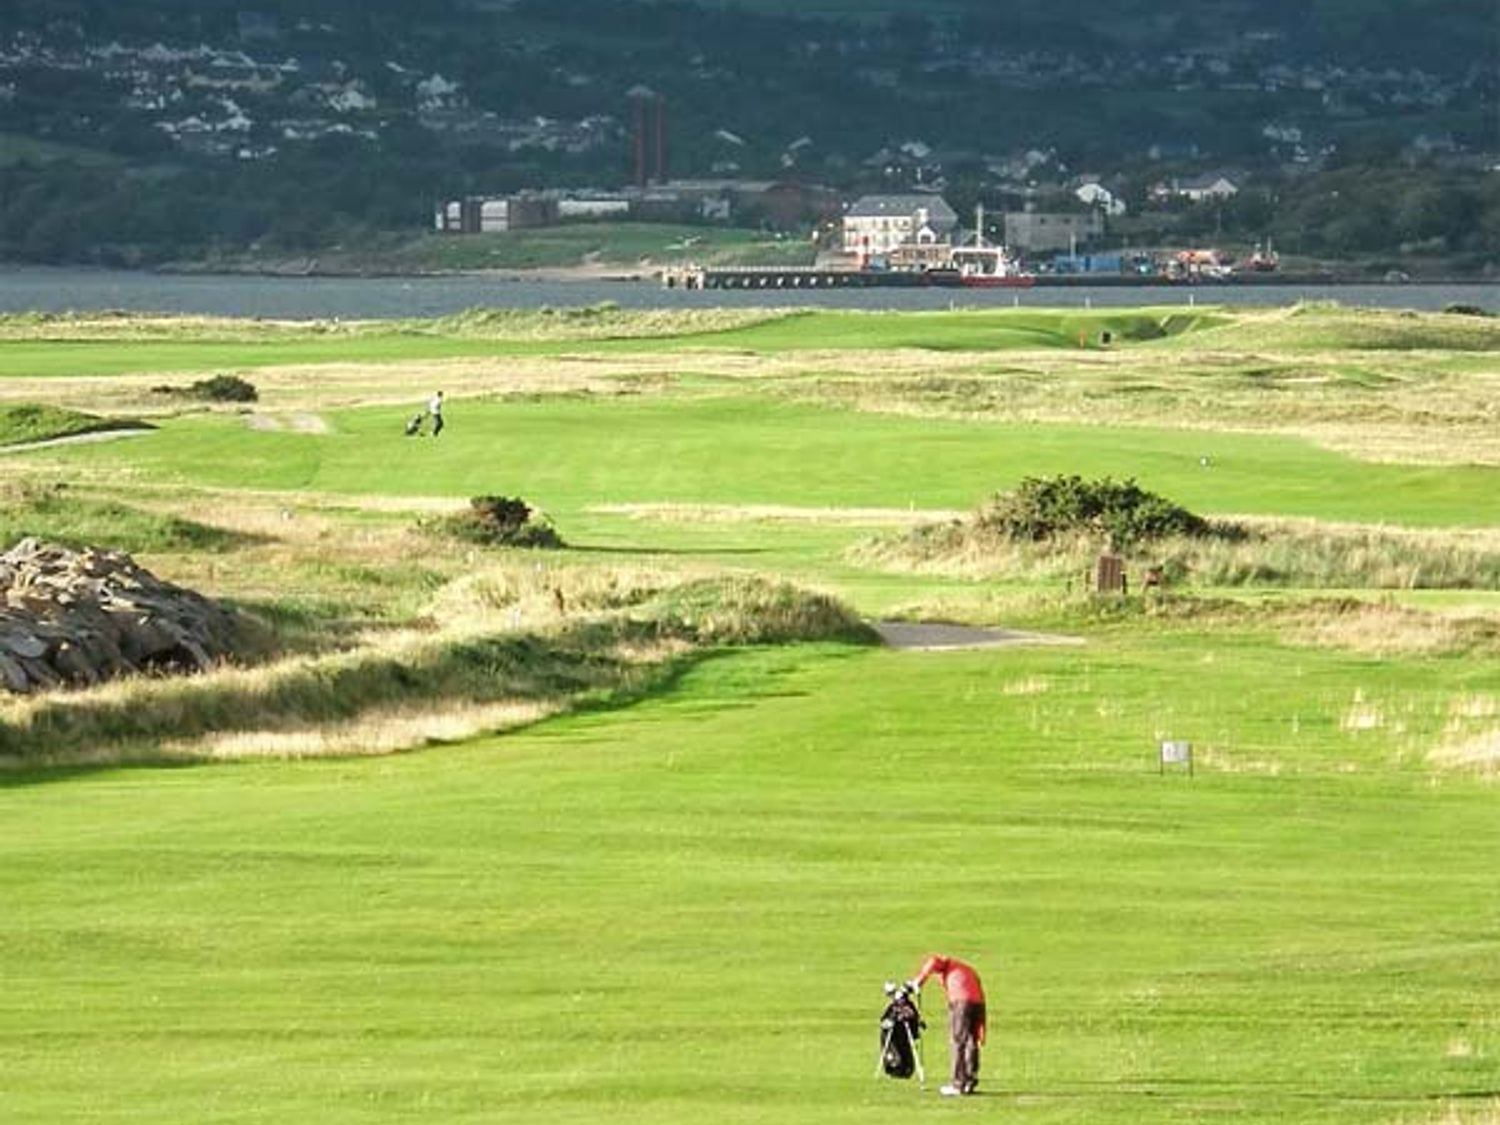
(1399, 406)
(1299, 554)
(1477, 1111)
(514, 644)
(604, 321)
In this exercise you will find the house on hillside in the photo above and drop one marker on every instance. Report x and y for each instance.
(879, 225)
(1207, 186)
(1096, 195)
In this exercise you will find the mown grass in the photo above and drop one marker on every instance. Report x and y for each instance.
(580, 922)
(735, 449)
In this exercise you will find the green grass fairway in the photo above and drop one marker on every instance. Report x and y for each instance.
(676, 901)
(566, 453)
(684, 913)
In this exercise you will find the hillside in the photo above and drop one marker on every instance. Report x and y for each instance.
(171, 127)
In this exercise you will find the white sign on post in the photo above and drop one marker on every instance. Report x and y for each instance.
(1176, 753)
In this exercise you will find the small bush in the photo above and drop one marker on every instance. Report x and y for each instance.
(1044, 508)
(219, 388)
(1466, 310)
(502, 521)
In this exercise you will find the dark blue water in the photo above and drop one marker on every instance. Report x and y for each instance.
(41, 289)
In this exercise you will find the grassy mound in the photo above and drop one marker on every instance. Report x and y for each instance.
(976, 330)
(55, 512)
(25, 423)
(523, 644)
(1328, 326)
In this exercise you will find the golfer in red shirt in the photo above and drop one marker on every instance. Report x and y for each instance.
(965, 1018)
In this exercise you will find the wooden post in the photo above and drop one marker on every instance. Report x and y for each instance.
(1109, 575)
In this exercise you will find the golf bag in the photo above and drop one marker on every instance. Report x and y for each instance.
(900, 1034)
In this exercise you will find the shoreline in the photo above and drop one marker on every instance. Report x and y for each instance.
(592, 272)
(651, 272)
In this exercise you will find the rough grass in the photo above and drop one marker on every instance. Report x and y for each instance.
(53, 511)
(601, 247)
(1271, 553)
(1422, 408)
(1328, 326)
(515, 644)
(580, 323)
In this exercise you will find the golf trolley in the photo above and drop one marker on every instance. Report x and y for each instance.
(901, 1034)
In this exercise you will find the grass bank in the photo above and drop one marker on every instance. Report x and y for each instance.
(515, 645)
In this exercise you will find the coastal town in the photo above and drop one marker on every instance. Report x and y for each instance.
(307, 135)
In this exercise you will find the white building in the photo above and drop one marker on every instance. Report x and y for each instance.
(1210, 185)
(878, 224)
(1097, 195)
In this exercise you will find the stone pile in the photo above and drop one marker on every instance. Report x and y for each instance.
(81, 617)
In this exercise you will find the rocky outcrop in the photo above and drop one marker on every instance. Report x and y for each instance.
(74, 618)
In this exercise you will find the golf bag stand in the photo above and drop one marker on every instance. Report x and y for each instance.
(901, 1035)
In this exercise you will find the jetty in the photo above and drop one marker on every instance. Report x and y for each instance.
(811, 277)
(786, 277)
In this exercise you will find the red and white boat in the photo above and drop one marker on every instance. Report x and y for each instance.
(981, 266)
(984, 267)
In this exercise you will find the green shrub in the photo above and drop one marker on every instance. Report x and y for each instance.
(218, 388)
(502, 521)
(1043, 508)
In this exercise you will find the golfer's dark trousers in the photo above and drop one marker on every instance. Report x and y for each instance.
(965, 1018)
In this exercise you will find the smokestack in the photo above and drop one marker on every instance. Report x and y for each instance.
(661, 139)
(640, 95)
(640, 143)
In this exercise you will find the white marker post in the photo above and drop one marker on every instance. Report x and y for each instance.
(1176, 753)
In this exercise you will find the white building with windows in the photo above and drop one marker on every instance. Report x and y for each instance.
(878, 224)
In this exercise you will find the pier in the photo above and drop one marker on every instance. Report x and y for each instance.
(810, 277)
(786, 277)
